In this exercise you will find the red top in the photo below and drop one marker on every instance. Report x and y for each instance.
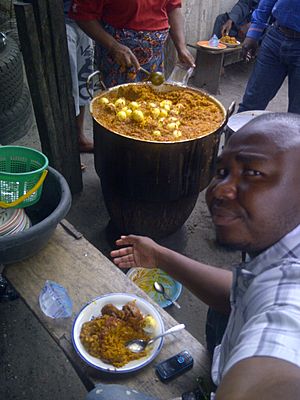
(140, 15)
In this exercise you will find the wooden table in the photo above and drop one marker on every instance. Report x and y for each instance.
(86, 273)
(209, 65)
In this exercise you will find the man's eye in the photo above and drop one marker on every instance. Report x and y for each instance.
(251, 172)
(221, 172)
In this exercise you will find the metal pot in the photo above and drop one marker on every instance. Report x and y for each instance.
(150, 187)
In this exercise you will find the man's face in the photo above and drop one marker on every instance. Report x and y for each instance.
(254, 198)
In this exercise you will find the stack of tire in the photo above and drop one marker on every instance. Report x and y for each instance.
(16, 115)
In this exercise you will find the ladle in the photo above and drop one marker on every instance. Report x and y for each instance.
(156, 78)
(138, 345)
(161, 289)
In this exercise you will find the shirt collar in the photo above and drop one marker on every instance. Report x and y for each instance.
(287, 247)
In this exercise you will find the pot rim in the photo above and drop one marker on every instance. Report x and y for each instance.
(175, 85)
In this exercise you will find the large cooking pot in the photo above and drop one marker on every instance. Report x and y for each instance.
(150, 187)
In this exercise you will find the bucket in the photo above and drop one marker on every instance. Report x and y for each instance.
(22, 173)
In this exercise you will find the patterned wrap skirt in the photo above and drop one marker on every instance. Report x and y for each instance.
(147, 46)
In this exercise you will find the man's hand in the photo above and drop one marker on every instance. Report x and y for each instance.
(123, 56)
(249, 49)
(243, 31)
(226, 27)
(139, 253)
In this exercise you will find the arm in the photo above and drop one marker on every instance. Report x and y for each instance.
(176, 22)
(258, 24)
(236, 16)
(212, 285)
(266, 378)
(88, 15)
(239, 12)
(120, 53)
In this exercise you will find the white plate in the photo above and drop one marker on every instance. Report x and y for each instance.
(231, 45)
(93, 309)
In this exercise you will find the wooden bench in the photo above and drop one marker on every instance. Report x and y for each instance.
(86, 273)
(209, 65)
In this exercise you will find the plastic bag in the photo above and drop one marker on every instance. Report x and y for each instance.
(180, 74)
(55, 301)
(213, 41)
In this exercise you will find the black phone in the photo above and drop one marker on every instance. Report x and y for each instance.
(174, 366)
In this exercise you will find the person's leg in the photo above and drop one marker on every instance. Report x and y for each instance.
(293, 60)
(72, 40)
(80, 97)
(267, 76)
(85, 66)
(85, 144)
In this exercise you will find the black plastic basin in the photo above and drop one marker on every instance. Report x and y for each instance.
(52, 207)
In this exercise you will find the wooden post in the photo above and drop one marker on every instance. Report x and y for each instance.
(43, 41)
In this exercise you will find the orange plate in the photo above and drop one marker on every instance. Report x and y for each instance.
(204, 43)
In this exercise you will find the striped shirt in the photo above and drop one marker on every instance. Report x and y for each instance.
(265, 308)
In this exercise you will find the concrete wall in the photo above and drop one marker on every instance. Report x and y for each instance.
(200, 15)
(199, 19)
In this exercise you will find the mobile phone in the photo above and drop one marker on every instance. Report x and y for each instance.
(174, 366)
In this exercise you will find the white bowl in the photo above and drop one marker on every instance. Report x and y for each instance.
(93, 309)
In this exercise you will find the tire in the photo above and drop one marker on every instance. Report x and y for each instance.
(11, 74)
(15, 122)
(12, 32)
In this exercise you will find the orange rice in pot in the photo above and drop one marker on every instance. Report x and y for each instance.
(141, 112)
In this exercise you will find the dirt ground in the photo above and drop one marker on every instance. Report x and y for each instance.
(32, 367)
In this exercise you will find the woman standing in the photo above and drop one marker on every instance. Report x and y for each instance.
(131, 34)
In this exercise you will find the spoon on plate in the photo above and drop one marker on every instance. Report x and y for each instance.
(156, 78)
(161, 289)
(138, 345)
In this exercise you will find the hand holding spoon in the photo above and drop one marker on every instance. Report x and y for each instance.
(156, 78)
(138, 345)
(161, 289)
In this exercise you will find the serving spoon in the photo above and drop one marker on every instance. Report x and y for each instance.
(161, 289)
(156, 78)
(138, 345)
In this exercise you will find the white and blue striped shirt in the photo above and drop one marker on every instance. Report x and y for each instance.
(265, 308)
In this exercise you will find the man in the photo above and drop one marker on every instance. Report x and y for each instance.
(255, 207)
(237, 21)
(278, 57)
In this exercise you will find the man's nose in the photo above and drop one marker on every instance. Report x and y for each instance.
(226, 189)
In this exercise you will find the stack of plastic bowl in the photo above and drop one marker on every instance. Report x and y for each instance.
(13, 220)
